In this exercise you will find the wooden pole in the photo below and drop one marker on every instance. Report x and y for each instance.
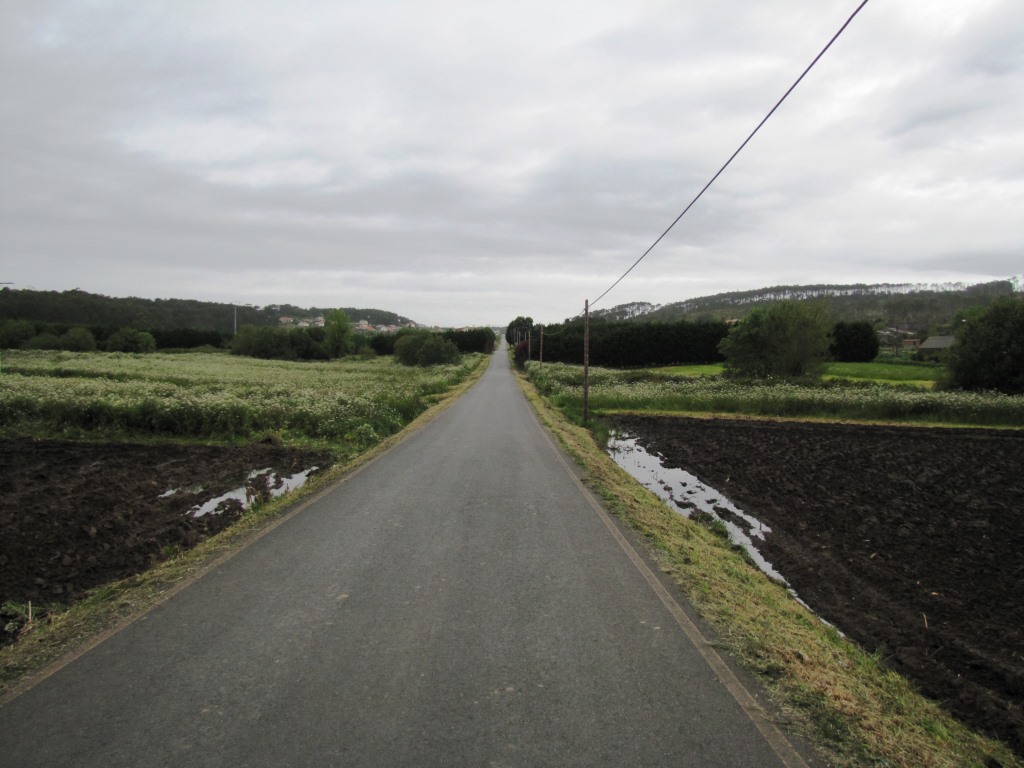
(586, 361)
(542, 346)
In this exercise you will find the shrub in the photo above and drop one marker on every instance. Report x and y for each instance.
(43, 341)
(78, 340)
(521, 353)
(384, 343)
(789, 339)
(425, 349)
(472, 340)
(131, 340)
(14, 333)
(438, 351)
(989, 349)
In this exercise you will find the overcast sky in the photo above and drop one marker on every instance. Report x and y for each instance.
(464, 162)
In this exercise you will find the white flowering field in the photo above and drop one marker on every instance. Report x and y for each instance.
(215, 396)
(617, 390)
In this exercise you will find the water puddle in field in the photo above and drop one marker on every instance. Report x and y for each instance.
(260, 483)
(692, 498)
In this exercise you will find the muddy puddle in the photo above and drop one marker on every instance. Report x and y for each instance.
(686, 494)
(259, 484)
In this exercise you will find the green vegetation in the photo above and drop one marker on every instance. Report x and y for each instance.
(425, 348)
(347, 404)
(338, 340)
(788, 339)
(657, 391)
(692, 371)
(989, 349)
(922, 375)
(131, 340)
(853, 342)
(518, 328)
(843, 699)
(71, 308)
(914, 307)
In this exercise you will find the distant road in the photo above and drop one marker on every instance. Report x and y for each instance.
(459, 601)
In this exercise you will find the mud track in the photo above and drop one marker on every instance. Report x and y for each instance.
(910, 540)
(75, 516)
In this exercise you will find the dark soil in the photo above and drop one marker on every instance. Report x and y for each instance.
(75, 516)
(909, 540)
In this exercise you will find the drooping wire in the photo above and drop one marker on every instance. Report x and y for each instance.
(731, 157)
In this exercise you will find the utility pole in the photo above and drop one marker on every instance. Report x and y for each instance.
(586, 362)
(542, 346)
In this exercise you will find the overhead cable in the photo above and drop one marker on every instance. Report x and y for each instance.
(734, 154)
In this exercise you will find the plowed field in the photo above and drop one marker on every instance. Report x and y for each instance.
(74, 516)
(910, 540)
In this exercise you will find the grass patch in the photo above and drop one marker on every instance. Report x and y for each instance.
(647, 392)
(344, 404)
(844, 700)
(920, 375)
(691, 371)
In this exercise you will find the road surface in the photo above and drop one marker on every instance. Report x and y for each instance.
(460, 601)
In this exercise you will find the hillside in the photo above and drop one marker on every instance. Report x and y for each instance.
(908, 306)
(76, 307)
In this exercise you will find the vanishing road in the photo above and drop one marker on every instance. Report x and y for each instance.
(459, 601)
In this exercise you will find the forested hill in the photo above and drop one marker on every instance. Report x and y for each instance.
(906, 306)
(92, 309)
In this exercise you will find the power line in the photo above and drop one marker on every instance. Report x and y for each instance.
(733, 156)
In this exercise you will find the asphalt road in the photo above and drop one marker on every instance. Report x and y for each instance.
(460, 601)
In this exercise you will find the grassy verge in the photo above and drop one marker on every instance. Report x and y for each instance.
(651, 391)
(920, 375)
(839, 697)
(68, 632)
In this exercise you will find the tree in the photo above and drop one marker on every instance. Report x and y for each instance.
(989, 349)
(14, 333)
(521, 326)
(438, 351)
(78, 340)
(263, 342)
(853, 342)
(131, 340)
(425, 349)
(789, 339)
(338, 342)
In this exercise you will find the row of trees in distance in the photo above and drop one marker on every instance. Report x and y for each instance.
(788, 339)
(632, 344)
(335, 339)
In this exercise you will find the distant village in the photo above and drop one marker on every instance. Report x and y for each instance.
(359, 326)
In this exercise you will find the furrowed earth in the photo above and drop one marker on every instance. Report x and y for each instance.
(910, 540)
(75, 516)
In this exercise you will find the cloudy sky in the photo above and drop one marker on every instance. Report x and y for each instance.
(465, 162)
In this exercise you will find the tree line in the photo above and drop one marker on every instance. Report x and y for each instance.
(916, 308)
(787, 339)
(90, 310)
